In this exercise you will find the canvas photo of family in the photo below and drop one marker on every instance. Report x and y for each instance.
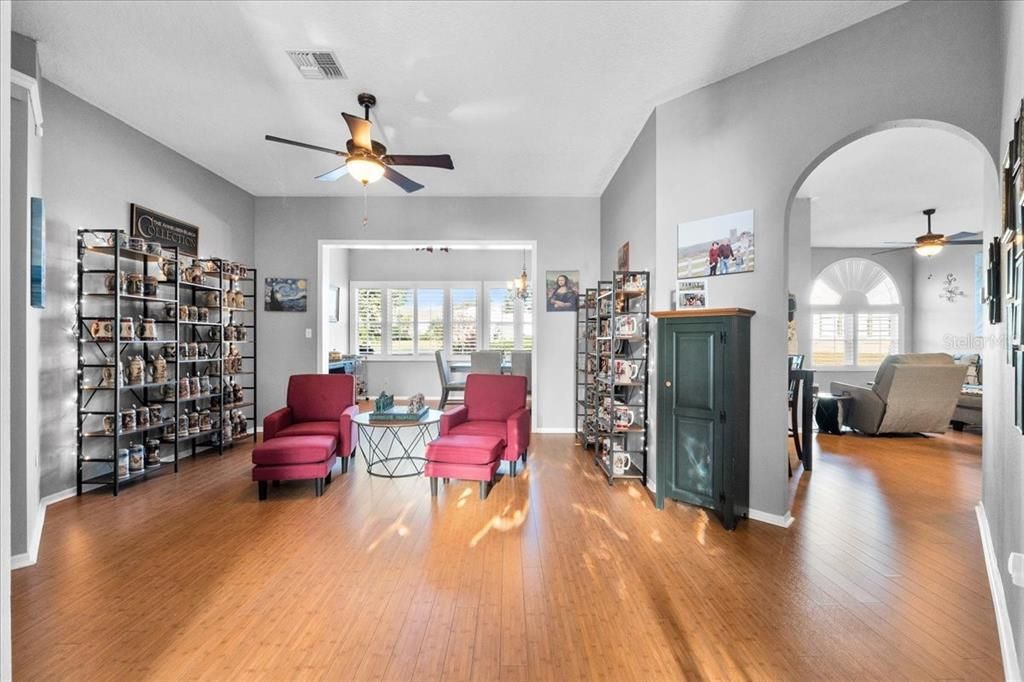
(723, 245)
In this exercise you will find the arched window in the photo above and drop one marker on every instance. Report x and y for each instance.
(855, 315)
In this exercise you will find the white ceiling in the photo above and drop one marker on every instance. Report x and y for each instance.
(873, 190)
(528, 98)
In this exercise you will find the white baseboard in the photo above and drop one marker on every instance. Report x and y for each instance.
(1011, 667)
(30, 557)
(782, 520)
(555, 430)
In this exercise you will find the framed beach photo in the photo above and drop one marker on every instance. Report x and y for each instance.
(722, 245)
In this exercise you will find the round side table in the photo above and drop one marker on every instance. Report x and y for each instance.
(394, 449)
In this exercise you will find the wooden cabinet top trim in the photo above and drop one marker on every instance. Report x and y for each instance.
(704, 312)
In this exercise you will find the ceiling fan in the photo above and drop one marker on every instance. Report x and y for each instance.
(366, 159)
(931, 243)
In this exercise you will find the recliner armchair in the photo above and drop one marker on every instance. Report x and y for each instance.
(912, 393)
(318, 404)
(494, 405)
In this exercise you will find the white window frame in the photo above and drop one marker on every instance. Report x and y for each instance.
(518, 315)
(385, 321)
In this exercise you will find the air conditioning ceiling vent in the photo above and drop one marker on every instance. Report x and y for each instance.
(317, 65)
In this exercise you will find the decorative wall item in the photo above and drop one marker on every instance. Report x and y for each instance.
(691, 293)
(994, 282)
(722, 245)
(164, 230)
(334, 304)
(623, 260)
(284, 294)
(951, 291)
(562, 290)
(37, 254)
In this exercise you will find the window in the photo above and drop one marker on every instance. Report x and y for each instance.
(369, 316)
(401, 313)
(429, 320)
(464, 321)
(855, 315)
(416, 319)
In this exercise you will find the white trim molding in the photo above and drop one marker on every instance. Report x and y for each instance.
(554, 430)
(30, 557)
(31, 85)
(1011, 666)
(782, 520)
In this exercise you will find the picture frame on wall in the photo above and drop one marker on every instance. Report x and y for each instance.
(1018, 136)
(623, 257)
(284, 294)
(691, 294)
(561, 288)
(37, 253)
(994, 282)
(720, 245)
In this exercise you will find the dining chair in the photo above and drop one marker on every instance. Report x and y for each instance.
(485, 362)
(521, 366)
(447, 384)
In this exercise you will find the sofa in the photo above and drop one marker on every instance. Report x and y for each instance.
(494, 405)
(318, 404)
(911, 393)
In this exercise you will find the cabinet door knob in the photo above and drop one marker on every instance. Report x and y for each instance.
(668, 383)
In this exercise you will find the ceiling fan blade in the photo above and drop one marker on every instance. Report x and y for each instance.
(901, 243)
(331, 176)
(408, 184)
(304, 145)
(432, 161)
(962, 235)
(899, 248)
(360, 129)
(964, 242)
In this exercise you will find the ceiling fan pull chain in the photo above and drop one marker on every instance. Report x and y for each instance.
(366, 216)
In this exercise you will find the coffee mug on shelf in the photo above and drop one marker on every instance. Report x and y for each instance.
(626, 326)
(621, 461)
(624, 417)
(102, 329)
(626, 371)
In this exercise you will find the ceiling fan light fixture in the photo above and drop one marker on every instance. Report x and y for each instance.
(928, 249)
(364, 170)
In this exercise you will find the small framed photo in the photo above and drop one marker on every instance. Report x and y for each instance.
(691, 294)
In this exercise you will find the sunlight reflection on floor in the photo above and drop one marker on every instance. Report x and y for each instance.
(503, 521)
(397, 527)
(603, 517)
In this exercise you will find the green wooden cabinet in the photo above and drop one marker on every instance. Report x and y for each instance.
(704, 410)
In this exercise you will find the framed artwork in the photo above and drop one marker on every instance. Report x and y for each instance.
(1018, 136)
(561, 289)
(37, 253)
(691, 293)
(334, 304)
(284, 294)
(723, 245)
(164, 230)
(623, 260)
(994, 282)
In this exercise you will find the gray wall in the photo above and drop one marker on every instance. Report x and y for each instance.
(628, 206)
(95, 167)
(939, 325)
(288, 229)
(1003, 444)
(749, 141)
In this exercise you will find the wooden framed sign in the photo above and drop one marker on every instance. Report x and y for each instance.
(165, 230)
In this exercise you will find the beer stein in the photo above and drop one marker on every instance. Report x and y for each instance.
(133, 284)
(183, 424)
(214, 334)
(168, 391)
(193, 386)
(149, 286)
(169, 432)
(169, 351)
(117, 239)
(183, 351)
(147, 329)
(203, 314)
(152, 452)
(184, 388)
(166, 270)
(203, 350)
(141, 417)
(127, 329)
(158, 370)
(193, 313)
(205, 387)
(213, 299)
(193, 423)
(156, 414)
(137, 244)
(135, 370)
(102, 329)
(154, 248)
(128, 419)
(109, 424)
(136, 457)
(107, 376)
(183, 313)
(170, 311)
(122, 463)
(113, 283)
(193, 350)
(204, 420)
(239, 393)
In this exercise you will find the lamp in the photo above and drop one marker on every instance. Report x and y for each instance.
(365, 170)
(521, 284)
(929, 243)
(928, 248)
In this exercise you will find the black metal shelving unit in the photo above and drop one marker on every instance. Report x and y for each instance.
(240, 317)
(586, 364)
(623, 338)
(105, 254)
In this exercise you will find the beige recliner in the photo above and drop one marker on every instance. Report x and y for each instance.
(912, 393)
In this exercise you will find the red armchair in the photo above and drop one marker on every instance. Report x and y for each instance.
(318, 404)
(494, 405)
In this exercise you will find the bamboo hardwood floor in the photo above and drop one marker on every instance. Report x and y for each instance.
(556, 576)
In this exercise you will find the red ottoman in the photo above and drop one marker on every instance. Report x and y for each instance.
(467, 458)
(294, 458)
